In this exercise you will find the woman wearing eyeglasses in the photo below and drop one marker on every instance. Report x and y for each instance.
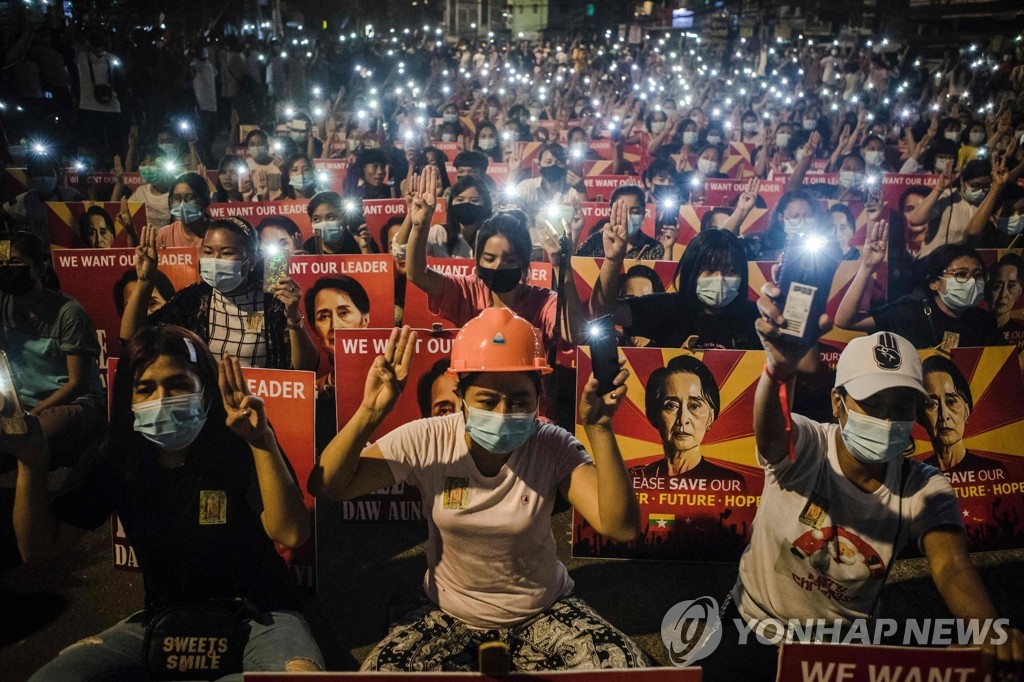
(942, 309)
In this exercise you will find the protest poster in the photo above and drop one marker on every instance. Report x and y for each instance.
(77, 224)
(600, 187)
(429, 392)
(380, 212)
(664, 424)
(865, 663)
(338, 292)
(417, 311)
(289, 396)
(15, 180)
(972, 433)
(726, 192)
(1003, 292)
(330, 173)
(738, 161)
(895, 185)
(610, 675)
(257, 211)
(101, 280)
(83, 181)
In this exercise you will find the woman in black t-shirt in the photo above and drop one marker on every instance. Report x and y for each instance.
(945, 302)
(711, 303)
(194, 472)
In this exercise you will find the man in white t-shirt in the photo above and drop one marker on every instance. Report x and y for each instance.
(204, 85)
(100, 122)
(840, 500)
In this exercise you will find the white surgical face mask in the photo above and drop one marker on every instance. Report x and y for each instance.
(707, 166)
(940, 164)
(782, 139)
(810, 123)
(974, 194)
(714, 139)
(951, 135)
(750, 126)
(657, 126)
(1012, 225)
(487, 143)
(976, 138)
(689, 137)
(960, 296)
(850, 179)
(873, 157)
(717, 291)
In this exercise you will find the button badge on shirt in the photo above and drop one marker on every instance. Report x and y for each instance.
(456, 493)
(213, 507)
(254, 323)
(815, 511)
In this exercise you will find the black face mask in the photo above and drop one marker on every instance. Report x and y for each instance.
(553, 174)
(467, 213)
(499, 281)
(16, 280)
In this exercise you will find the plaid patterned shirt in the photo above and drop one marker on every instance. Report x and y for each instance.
(237, 325)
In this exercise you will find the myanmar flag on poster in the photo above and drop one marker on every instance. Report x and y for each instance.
(662, 521)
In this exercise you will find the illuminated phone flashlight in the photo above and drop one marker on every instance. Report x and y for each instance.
(289, 111)
(242, 171)
(115, 62)
(39, 148)
(316, 91)
(323, 176)
(577, 154)
(271, 249)
(407, 135)
(350, 206)
(870, 180)
(669, 204)
(361, 114)
(184, 125)
(170, 166)
(278, 146)
(814, 243)
(553, 211)
(594, 330)
(79, 166)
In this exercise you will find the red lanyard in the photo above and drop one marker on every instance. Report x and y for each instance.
(784, 402)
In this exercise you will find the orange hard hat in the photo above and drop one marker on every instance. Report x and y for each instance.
(498, 340)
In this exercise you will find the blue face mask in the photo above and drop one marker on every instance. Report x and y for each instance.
(959, 296)
(187, 212)
(633, 226)
(500, 433)
(223, 275)
(331, 231)
(171, 423)
(873, 441)
(43, 184)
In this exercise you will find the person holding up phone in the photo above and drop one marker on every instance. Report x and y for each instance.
(338, 226)
(951, 205)
(182, 428)
(51, 347)
(229, 309)
(840, 501)
(710, 308)
(488, 474)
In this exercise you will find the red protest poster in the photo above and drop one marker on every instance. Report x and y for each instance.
(972, 433)
(343, 292)
(82, 181)
(380, 212)
(417, 311)
(897, 185)
(331, 173)
(72, 226)
(429, 392)
(257, 211)
(103, 279)
(600, 187)
(698, 487)
(738, 162)
(290, 401)
(863, 663)
(726, 192)
(290, 397)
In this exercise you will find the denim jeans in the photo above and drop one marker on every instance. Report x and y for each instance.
(115, 655)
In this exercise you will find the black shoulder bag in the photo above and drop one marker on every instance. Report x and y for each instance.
(203, 641)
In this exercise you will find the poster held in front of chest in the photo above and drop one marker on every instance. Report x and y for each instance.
(102, 280)
(429, 392)
(289, 396)
(685, 434)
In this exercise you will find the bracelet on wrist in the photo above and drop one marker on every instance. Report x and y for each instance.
(297, 324)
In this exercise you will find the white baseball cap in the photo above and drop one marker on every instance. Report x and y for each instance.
(870, 364)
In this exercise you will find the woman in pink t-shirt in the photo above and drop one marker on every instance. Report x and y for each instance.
(189, 200)
(489, 475)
